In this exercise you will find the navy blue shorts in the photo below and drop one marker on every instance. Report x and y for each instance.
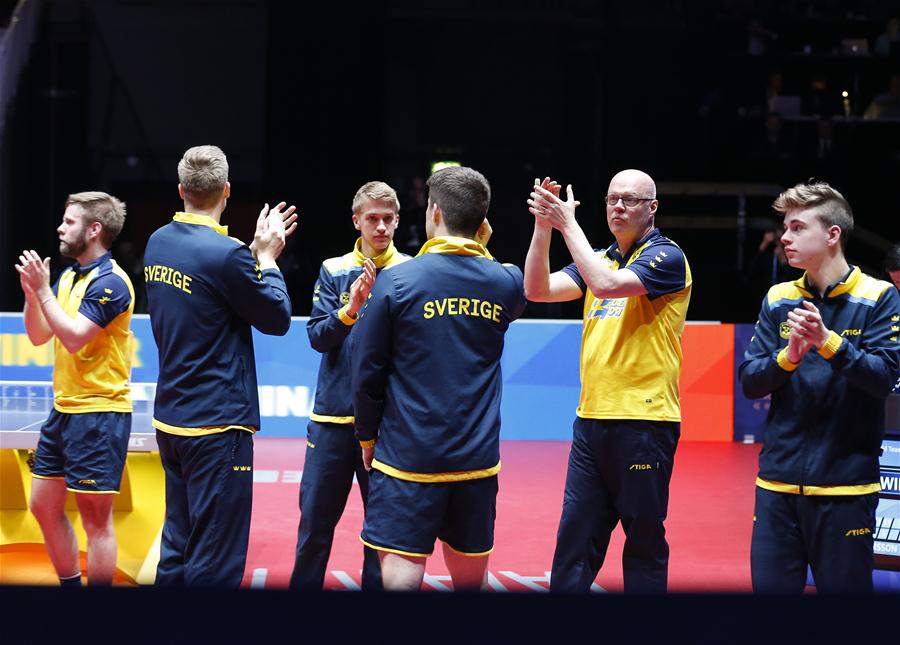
(88, 450)
(406, 517)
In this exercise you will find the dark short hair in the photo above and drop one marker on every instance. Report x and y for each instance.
(463, 195)
(892, 261)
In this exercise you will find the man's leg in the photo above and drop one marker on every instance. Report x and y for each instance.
(218, 469)
(587, 521)
(401, 572)
(177, 525)
(48, 503)
(641, 464)
(97, 519)
(468, 572)
(778, 556)
(324, 488)
(371, 572)
(840, 532)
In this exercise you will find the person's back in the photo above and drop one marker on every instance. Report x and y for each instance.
(450, 313)
(426, 391)
(200, 303)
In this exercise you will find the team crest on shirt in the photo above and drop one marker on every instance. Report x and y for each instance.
(784, 330)
(345, 297)
(607, 308)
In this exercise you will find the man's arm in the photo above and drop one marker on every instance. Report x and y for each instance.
(370, 362)
(765, 367)
(540, 284)
(44, 316)
(874, 364)
(599, 278)
(330, 322)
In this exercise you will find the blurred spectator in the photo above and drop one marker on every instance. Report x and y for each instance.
(821, 100)
(888, 43)
(769, 265)
(758, 38)
(887, 104)
(892, 265)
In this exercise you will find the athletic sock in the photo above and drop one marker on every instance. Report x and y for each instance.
(71, 581)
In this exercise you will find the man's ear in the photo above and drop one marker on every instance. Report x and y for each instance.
(356, 222)
(227, 191)
(94, 229)
(181, 191)
(437, 215)
(834, 235)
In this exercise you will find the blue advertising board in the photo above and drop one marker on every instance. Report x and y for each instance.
(540, 374)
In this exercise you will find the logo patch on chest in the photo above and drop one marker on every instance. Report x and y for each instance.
(345, 297)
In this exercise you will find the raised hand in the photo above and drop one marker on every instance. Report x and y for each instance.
(34, 273)
(807, 321)
(546, 205)
(269, 238)
(361, 287)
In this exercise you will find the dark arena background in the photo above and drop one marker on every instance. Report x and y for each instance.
(724, 102)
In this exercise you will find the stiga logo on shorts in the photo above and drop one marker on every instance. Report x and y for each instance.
(242, 468)
(88, 482)
(784, 330)
(857, 532)
(345, 298)
(640, 467)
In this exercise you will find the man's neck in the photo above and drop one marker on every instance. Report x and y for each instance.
(368, 250)
(827, 272)
(626, 243)
(214, 213)
(90, 254)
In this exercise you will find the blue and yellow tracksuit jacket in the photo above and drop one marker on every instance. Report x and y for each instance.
(329, 326)
(426, 362)
(204, 292)
(826, 419)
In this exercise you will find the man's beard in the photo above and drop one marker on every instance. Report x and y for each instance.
(73, 249)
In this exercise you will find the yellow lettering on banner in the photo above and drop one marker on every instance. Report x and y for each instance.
(136, 352)
(28, 354)
(429, 310)
(17, 351)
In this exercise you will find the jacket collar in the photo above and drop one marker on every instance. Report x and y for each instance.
(452, 245)
(381, 260)
(202, 220)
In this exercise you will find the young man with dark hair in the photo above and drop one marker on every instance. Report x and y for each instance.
(826, 350)
(427, 387)
(84, 442)
(332, 452)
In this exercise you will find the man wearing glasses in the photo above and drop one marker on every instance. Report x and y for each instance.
(628, 418)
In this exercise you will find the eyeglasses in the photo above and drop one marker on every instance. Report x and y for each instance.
(628, 200)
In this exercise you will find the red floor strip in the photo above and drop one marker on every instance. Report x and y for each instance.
(710, 519)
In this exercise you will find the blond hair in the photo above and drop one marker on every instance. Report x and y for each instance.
(831, 209)
(202, 173)
(378, 191)
(103, 208)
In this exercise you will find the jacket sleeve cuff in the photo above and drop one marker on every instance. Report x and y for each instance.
(367, 444)
(346, 318)
(831, 346)
(784, 363)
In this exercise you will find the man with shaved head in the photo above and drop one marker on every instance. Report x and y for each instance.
(636, 295)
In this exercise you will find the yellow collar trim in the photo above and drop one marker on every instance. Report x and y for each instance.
(381, 260)
(452, 245)
(202, 220)
(840, 288)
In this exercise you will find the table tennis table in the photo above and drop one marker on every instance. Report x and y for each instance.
(139, 508)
